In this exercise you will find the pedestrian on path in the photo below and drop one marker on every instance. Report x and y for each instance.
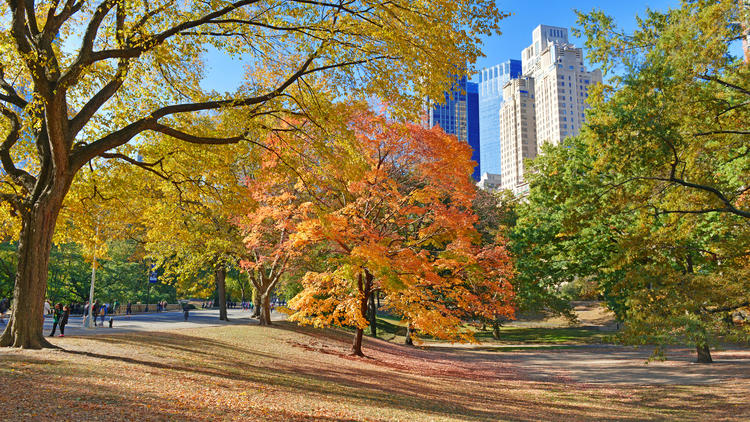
(47, 307)
(102, 313)
(56, 318)
(129, 309)
(95, 312)
(64, 319)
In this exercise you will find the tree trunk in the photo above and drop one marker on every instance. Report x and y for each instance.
(220, 275)
(409, 330)
(364, 283)
(25, 326)
(357, 345)
(704, 354)
(265, 309)
(496, 328)
(373, 314)
(256, 302)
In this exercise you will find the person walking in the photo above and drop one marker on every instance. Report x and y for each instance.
(56, 318)
(95, 312)
(129, 309)
(64, 319)
(103, 313)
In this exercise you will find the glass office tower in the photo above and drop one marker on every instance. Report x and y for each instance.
(491, 81)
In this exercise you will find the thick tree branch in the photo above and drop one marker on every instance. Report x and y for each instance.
(83, 154)
(10, 95)
(108, 90)
(724, 83)
(19, 176)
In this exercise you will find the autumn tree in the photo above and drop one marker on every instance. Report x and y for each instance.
(80, 80)
(395, 207)
(277, 208)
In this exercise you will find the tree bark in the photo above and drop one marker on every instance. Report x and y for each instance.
(220, 275)
(364, 283)
(357, 345)
(25, 326)
(265, 309)
(373, 314)
(256, 302)
(496, 328)
(409, 330)
(704, 354)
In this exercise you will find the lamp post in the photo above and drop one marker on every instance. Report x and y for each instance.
(88, 323)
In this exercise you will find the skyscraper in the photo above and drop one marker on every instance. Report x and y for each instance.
(491, 81)
(518, 124)
(459, 115)
(561, 83)
(545, 105)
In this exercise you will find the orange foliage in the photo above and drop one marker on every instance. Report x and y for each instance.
(395, 207)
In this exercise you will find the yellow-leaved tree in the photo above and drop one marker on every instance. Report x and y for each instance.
(80, 80)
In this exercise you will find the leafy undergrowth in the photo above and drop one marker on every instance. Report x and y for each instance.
(291, 373)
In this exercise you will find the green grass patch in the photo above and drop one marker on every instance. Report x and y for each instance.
(569, 335)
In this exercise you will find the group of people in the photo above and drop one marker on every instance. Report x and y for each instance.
(161, 306)
(60, 318)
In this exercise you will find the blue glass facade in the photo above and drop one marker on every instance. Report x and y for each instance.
(472, 118)
(459, 115)
(491, 84)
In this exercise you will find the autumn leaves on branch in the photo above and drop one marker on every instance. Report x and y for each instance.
(392, 205)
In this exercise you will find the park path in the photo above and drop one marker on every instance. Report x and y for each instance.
(613, 364)
(159, 321)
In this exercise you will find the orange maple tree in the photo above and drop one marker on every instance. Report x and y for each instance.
(394, 205)
(278, 208)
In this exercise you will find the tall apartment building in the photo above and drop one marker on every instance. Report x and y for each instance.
(556, 84)
(518, 131)
(561, 83)
(459, 115)
(491, 81)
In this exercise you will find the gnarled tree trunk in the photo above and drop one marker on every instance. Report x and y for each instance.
(220, 275)
(24, 328)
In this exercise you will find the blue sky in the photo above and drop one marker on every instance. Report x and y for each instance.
(225, 74)
(526, 15)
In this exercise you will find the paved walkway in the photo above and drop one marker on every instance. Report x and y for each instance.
(159, 321)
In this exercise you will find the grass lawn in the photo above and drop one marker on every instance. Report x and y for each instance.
(290, 373)
(392, 328)
(567, 335)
